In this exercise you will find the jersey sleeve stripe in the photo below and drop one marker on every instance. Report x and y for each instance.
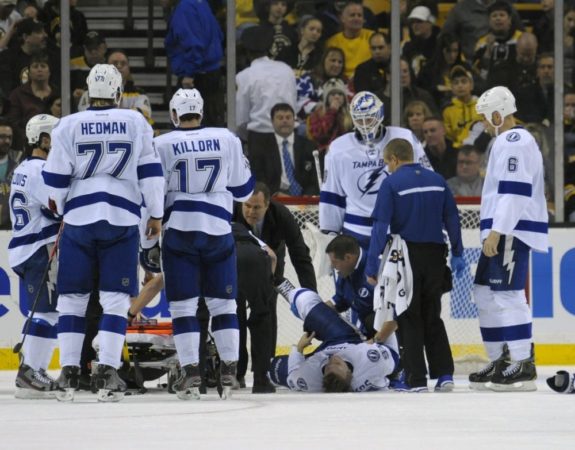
(56, 180)
(201, 207)
(358, 220)
(27, 239)
(105, 197)
(522, 225)
(510, 333)
(243, 190)
(515, 187)
(150, 170)
(332, 199)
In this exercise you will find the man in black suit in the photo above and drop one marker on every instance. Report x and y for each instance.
(284, 161)
(275, 225)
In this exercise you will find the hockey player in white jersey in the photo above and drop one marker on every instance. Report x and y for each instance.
(354, 169)
(102, 164)
(34, 231)
(205, 171)
(514, 220)
(343, 362)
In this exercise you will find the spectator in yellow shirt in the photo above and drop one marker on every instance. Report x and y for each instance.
(460, 114)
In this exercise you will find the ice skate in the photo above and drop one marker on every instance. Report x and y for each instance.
(479, 379)
(67, 383)
(187, 387)
(284, 288)
(518, 376)
(34, 384)
(228, 371)
(108, 384)
(445, 384)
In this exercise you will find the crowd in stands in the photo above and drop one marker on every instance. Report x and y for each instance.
(304, 60)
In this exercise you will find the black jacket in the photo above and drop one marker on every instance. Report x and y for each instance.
(280, 230)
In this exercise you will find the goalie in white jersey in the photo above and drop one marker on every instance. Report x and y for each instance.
(354, 169)
(101, 165)
(514, 220)
(34, 231)
(205, 171)
(343, 362)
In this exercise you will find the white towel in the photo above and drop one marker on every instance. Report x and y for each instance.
(394, 287)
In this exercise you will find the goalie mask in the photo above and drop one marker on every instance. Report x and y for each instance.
(367, 114)
(38, 125)
(498, 99)
(185, 101)
(105, 81)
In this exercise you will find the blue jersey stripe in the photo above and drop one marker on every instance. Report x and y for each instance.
(197, 206)
(56, 180)
(244, 189)
(358, 220)
(332, 199)
(46, 232)
(515, 187)
(225, 322)
(150, 170)
(97, 197)
(522, 225)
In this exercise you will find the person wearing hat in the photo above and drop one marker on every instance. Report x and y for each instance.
(498, 47)
(424, 34)
(259, 87)
(460, 114)
(95, 49)
(331, 118)
(14, 61)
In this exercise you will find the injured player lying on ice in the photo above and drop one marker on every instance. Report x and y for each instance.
(343, 362)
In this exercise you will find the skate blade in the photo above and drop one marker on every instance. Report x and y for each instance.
(108, 396)
(33, 394)
(475, 386)
(67, 395)
(226, 393)
(189, 394)
(519, 386)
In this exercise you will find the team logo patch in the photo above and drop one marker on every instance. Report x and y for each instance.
(373, 355)
(367, 183)
(513, 137)
(363, 292)
(125, 282)
(301, 384)
(229, 289)
(31, 288)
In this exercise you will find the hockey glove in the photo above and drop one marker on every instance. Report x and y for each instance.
(562, 382)
(150, 258)
(458, 265)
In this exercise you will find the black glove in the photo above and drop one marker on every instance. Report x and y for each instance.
(562, 382)
(150, 258)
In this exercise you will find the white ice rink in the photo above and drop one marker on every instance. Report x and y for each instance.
(387, 420)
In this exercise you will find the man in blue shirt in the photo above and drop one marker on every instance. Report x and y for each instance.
(416, 204)
(351, 288)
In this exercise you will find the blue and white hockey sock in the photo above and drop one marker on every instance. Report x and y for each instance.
(225, 327)
(186, 329)
(41, 340)
(71, 327)
(113, 327)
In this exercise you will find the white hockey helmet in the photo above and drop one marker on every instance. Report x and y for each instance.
(497, 99)
(105, 81)
(367, 114)
(41, 123)
(186, 101)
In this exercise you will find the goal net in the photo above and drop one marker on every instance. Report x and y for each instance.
(458, 310)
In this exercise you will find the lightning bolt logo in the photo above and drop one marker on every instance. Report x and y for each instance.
(371, 180)
(509, 263)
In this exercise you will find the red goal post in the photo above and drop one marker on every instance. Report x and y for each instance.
(459, 312)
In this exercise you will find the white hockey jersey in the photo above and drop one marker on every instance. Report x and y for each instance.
(513, 197)
(101, 163)
(33, 226)
(352, 176)
(205, 170)
(371, 365)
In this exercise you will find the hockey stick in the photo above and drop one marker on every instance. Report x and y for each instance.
(18, 347)
(318, 169)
